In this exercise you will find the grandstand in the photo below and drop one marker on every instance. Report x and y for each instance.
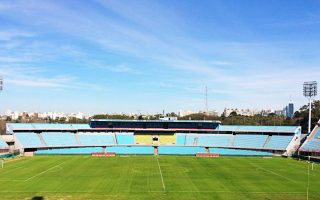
(311, 146)
(4, 148)
(96, 138)
(150, 138)
(153, 177)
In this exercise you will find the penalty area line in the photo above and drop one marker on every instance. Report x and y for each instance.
(163, 185)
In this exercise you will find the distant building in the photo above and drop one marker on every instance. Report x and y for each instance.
(183, 113)
(266, 112)
(244, 112)
(168, 118)
(280, 112)
(213, 113)
(290, 109)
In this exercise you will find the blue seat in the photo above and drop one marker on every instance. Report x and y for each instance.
(87, 150)
(96, 138)
(125, 138)
(191, 140)
(180, 150)
(3, 144)
(181, 139)
(57, 139)
(237, 128)
(317, 135)
(250, 141)
(130, 150)
(311, 145)
(29, 140)
(278, 142)
(214, 140)
(238, 152)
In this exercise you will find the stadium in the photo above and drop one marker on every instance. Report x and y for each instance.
(162, 159)
(159, 100)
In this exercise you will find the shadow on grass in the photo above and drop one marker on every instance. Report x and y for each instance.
(37, 198)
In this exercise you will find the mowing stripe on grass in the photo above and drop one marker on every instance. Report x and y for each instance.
(233, 192)
(160, 191)
(44, 171)
(164, 187)
(272, 172)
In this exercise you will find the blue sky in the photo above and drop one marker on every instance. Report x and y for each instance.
(124, 56)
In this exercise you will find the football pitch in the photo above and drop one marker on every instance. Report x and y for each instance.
(164, 177)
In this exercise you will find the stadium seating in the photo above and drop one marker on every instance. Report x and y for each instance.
(59, 139)
(317, 135)
(96, 138)
(191, 140)
(181, 138)
(20, 126)
(87, 150)
(130, 150)
(226, 136)
(56, 126)
(278, 142)
(233, 128)
(180, 150)
(143, 139)
(125, 138)
(217, 140)
(238, 152)
(29, 140)
(3, 144)
(46, 126)
(167, 139)
(311, 145)
(148, 139)
(250, 141)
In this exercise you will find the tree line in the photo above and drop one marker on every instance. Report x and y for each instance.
(300, 118)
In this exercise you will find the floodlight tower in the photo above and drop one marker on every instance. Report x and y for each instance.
(310, 91)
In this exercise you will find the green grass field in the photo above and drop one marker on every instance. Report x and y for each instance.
(166, 177)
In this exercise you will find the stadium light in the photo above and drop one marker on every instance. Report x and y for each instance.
(310, 91)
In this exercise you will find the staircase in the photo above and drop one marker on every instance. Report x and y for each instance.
(267, 141)
(233, 137)
(41, 139)
(115, 138)
(77, 139)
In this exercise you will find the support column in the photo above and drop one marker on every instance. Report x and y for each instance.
(309, 125)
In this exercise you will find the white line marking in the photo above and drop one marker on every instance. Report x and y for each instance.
(272, 172)
(43, 172)
(233, 192)
(164, 187)
(160, 191)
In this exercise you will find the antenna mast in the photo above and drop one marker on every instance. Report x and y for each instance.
(1, 83)
(207, 101)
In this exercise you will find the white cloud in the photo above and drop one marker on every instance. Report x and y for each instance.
(248, 72)
(7, 35)
(34, 77)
